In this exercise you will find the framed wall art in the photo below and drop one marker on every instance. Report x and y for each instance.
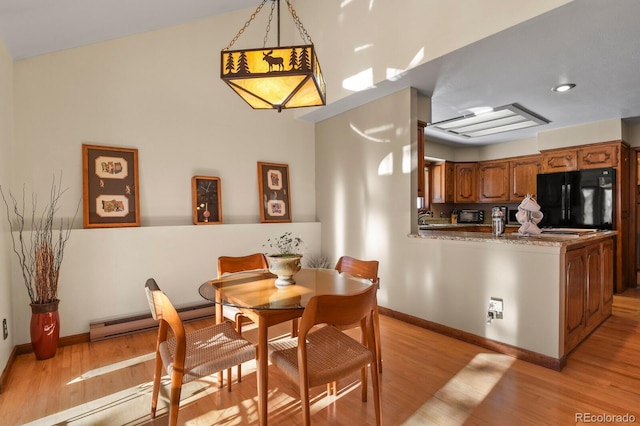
(110, 187)
(273, 189)
(206, 196)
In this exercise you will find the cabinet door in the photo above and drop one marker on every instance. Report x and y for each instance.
(594, 286)
(442, 179)
(523, 172)
(575, 283)
(593, 157)
(466, 186)
(493, 177)
(608, 268)
(560, 161)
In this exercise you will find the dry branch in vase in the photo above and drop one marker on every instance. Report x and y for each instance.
(41, 251)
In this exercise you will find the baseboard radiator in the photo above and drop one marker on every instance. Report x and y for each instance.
(105, 329)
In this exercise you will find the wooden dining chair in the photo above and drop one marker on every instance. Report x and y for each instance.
(232, 265)
(190, 356)
(323, 354)
(365, 269)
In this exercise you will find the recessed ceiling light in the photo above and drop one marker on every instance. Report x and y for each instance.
(563, 87)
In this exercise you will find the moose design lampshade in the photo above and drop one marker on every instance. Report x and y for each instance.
(275, 77)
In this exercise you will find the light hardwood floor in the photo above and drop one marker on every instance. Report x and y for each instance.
(428, 379)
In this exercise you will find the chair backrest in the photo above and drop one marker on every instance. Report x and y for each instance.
(230, 264)
(359, 268)
(163, 310)
(338, 310)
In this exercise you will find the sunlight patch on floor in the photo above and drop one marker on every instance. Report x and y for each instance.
(132, 406)
(453, 403)
(113, 367)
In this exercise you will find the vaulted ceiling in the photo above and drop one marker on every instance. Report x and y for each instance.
(594, 44)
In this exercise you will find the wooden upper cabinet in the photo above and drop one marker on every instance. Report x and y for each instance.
(560, 160)
(522, 173)
(493, 178)
(593, 157)
(442, 182)
(466, 185)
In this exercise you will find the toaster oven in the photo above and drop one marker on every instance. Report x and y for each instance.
(471, 216)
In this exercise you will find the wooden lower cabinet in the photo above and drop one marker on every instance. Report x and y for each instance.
(588, 290)
(575, 295)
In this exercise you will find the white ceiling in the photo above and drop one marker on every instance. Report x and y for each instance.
(592, 43)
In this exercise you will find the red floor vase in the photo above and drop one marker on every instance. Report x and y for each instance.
(45, 329)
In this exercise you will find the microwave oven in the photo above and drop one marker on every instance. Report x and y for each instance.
(471, 216)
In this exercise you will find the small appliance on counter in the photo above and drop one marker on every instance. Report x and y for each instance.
(498, 218)
(470, 216)
(512, 217)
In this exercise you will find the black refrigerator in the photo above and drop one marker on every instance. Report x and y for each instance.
(577, 199)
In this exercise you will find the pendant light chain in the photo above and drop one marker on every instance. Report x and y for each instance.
(303, 32)
(301, 29)
(266, 34)
(246, 24)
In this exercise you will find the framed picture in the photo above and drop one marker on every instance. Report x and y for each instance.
(110, 187)
(206, 195)
(273, 189)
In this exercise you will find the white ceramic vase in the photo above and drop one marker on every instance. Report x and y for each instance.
(284, 266)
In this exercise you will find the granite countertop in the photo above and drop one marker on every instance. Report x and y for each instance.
(557, 238)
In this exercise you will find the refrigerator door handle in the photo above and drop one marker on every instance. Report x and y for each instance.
(568, 202)
(562, 202)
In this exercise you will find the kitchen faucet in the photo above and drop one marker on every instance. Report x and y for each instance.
(422, 218)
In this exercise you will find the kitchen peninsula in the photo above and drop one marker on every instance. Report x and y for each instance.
(556, 288)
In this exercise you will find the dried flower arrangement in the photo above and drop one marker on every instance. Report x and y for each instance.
(40, 253)
(285, 245)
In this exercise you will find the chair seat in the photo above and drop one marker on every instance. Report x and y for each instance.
(331, 355)
(209, 350)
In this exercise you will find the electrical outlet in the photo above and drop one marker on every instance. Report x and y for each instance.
(495, 304)
(5, 329)
(495, 308)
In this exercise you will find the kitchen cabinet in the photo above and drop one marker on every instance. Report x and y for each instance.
(522, 173)
(560, 160)
(493, 178)
(588, 289)
(598, 155)
(575, 292)
(466, 182)
(442, 182)
(606, 154)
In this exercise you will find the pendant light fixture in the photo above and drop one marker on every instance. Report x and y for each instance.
(275, 77)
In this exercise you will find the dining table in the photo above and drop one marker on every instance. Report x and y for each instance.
(255, 294)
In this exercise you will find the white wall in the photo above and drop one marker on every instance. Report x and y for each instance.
(365, 206)
(451, 283)
(6, 136)
(104, 270)
(363, 181)
(159, 92)
(631, 133)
